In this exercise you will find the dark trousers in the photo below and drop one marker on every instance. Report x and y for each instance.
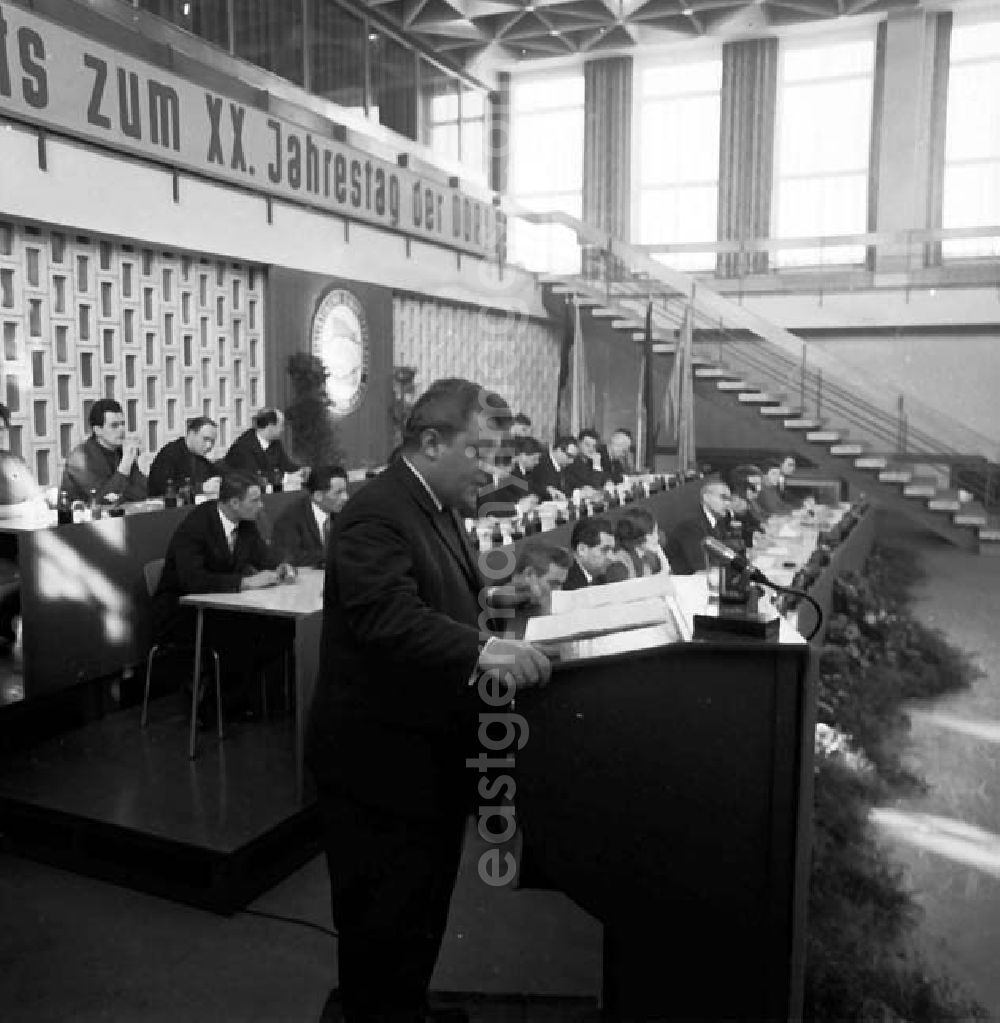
(391, 881)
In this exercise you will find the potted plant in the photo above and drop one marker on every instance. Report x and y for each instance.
(314, 433)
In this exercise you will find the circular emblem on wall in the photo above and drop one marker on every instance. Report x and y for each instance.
(339, 339)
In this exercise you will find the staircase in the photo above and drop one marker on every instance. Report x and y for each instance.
(908, 457)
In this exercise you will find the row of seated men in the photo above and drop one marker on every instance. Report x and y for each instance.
(104, 468)
(539, 472)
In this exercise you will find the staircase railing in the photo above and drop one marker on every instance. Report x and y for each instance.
(744, 340)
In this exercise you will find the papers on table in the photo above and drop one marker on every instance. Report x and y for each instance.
(612, 593)
(613, 618)
(595, 621)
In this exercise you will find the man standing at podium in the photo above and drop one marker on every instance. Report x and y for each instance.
(396, 712)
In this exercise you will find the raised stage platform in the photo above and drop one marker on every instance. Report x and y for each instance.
(127, 805)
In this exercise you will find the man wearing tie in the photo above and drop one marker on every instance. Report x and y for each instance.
(217, 548)
(684, 544)
(303, 528)
(396, 714)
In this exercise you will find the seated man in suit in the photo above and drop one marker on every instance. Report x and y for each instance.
(589, 469)
(185, 460)
(684, 545)
(512, 493)
(259, 450)
(103, 467)
(540, 569)
(217, 548)
(637, 550)
(303, 528)
(620, 462)
(547, 478)
(591, 544)
(745, 482)
(770, 499)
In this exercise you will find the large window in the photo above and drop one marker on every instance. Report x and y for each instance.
(337, 47)
(453, 119)
(823, 144)
(678, 165)
(972, 148)
(269, 33)
(546, 167)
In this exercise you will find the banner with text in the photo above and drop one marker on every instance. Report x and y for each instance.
(52, 77)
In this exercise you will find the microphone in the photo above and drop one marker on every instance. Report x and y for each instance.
(738, 561)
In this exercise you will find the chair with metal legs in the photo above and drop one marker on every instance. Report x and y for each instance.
(152, 571)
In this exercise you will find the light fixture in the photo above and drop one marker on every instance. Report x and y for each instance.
(187, 10)
(687, 12)
(373, 37)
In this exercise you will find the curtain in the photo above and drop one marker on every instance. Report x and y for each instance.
(940, 24)
(394, 86)
(875, 146)
(746, 149)
(499, 144)
(269, 33)
(607, 148)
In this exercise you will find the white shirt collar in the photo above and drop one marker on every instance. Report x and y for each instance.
(263, 446)
(228, 526)
(321, 515)
(552, 459)
(586, 574)
(712, 520)
(423, 483)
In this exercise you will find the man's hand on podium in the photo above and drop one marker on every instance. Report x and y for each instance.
(522, 662)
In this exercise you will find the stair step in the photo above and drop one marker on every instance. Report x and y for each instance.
(921, 487)
(990, 535)
(758, 398)
(664, 347)
(823, 436)
(846, 449)
(712, 373)
(871, 462)
(779, 410)
(895, 476)
(971, 514)
(658, 335)
(601, 313)
(563, 289)
(801, 424)
(625, 325)
(948, 504)
(732, 385)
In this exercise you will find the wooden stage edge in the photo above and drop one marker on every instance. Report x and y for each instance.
(127, 806)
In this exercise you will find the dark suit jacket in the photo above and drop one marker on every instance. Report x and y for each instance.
(684, 550)
(583, 474)
(247, 455)
(297, 538)
(545, 475)
(394, 717)
(93, 467)
(199, 561)
(502, 499)
(176, 461)
(575, 579)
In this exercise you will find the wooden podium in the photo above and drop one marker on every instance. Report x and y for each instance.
(668, 793)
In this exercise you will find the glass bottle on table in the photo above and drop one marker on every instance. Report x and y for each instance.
(64, 509)
(94, 505)
(277, 481)
(185, 493)
(170, 494)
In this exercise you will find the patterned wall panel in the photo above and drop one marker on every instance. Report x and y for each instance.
(82, 317)
(517, 357)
